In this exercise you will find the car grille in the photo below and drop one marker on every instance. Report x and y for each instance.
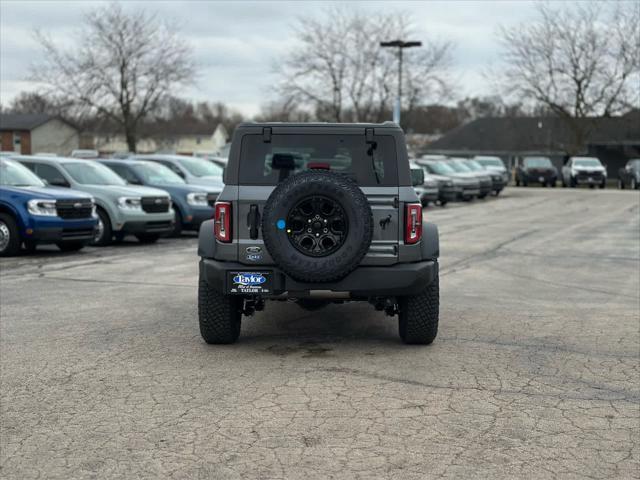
(77, 233)
(71, 209)
(585, 174)
(155, 204)
(155, 226)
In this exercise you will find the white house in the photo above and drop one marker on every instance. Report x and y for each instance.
(184, 139)
(30, 133)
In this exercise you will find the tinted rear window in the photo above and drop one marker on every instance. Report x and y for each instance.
(348, 154)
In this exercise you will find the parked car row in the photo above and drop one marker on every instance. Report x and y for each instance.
(72, 202)
(458, 178)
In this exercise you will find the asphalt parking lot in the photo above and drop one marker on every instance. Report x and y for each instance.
(535, 373)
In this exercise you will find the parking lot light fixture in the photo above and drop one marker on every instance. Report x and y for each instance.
(400, 45)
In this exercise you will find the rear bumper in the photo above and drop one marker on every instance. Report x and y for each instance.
(396, 280)
(158, 227)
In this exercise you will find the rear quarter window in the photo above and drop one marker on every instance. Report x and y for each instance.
(347, 154)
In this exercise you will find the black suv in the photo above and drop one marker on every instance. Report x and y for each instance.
(318, 213)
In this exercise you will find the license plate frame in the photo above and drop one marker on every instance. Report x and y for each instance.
(249, 282)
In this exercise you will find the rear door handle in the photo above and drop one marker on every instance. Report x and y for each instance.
(253, 219)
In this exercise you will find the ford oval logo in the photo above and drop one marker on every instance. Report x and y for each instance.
(249, 279)
(158, 201)
(77, 205)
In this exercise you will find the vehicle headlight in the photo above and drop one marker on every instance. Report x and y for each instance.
(130, 203)
(197, 199)
(42, 207)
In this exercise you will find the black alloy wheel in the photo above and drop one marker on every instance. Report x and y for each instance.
(318, 226)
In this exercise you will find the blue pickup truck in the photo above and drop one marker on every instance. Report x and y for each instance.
(32, 213)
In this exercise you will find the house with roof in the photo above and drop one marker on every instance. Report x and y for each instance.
(37, 133)
(159, 136)
(612, 139)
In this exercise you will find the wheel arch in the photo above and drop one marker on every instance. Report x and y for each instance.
(430, 244)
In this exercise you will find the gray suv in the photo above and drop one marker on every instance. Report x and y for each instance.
(318, 213)
(122, 208)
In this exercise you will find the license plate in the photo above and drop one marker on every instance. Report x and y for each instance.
(541, 179)
(240, 283)
(591, 179)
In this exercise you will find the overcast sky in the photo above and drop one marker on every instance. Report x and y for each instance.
(236, 43)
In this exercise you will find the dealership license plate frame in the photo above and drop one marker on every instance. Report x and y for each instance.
(237, 288)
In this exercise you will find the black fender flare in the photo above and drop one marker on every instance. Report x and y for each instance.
(430, 245)
(206, 240)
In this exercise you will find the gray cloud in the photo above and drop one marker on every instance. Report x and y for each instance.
(236, 43)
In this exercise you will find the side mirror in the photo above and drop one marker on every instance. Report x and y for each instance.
(135, 181)
(417, 176)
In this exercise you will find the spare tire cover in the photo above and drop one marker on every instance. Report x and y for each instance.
(317, 225)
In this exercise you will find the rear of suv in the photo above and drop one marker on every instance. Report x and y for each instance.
(318, 213)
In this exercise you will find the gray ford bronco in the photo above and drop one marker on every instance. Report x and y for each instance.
(314, 214)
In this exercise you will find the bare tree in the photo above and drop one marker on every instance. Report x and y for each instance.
(579, 61)
(33, 102)
(339, 68)
(123, 65)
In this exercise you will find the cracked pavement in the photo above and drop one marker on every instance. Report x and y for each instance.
(535, 372)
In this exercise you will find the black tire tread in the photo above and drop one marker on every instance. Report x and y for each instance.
(419, 315)
(326, 271)
(219, 315)
(14, 238)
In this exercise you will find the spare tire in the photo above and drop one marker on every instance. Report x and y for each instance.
(317, 225)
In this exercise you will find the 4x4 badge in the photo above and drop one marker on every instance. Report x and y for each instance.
(254, 254)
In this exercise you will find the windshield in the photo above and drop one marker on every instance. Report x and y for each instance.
(15, 175)
(440, 168)
(473, 165)
(201, 168)
(152, 172)
(459, 166)
(537, 162)
(91, 173)
(490, 162)
(586, 162)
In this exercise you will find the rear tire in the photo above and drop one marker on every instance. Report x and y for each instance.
(70, 246)
(419, 315)
(620, 184)
(219, 315)
(9, 239)
(147, 238)
(634, 184)
(443, 203)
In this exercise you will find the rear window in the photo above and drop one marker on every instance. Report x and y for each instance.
(348, 154)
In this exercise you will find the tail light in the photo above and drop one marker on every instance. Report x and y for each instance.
(222, 223)
(412, 223)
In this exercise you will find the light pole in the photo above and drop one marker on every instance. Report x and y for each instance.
(400, 45)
